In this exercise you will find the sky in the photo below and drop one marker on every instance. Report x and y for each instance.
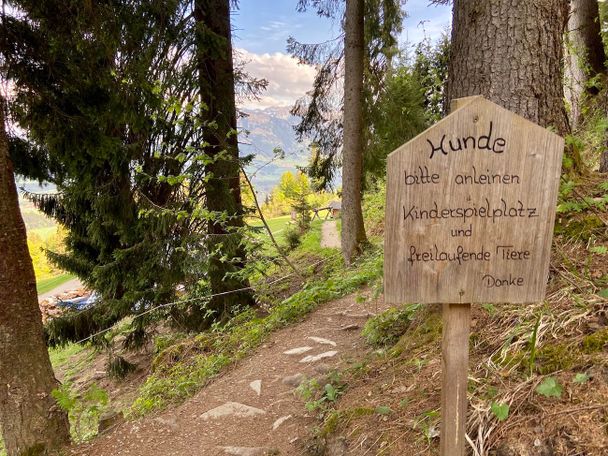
(261, 29)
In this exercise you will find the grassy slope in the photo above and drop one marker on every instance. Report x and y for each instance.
(48, 284)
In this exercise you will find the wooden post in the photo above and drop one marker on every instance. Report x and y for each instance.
(454, 368)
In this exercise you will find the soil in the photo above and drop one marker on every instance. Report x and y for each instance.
(275, 421)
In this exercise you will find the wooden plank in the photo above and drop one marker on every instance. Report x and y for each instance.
(455, 364)
(470, 209)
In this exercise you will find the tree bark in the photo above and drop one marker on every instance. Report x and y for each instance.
(223, 191)
(353, 230)
(604, 161)
(585, 56)
(511, 51)
(31, 420)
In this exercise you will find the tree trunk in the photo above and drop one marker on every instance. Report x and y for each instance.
(353, 230)
(31, 420)
(585, 56)
(510, 51)
(604, 161)
(223, 191)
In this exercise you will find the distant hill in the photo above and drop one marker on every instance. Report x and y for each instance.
(270, 128)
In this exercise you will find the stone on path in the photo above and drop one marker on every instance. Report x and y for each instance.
(297, 351)
(232, 409)
(245, 451)
(349, 327)
(294, 380)
(313, 358)
(256, 386)
(322, 341)
(280, 421)
(171, 422)
(322, 368)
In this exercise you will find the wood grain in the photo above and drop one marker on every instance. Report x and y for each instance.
(470, 209)
(454, 368)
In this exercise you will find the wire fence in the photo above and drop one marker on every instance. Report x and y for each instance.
(203, 298)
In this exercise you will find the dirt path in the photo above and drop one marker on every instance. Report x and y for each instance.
(252, 409)
(329, 235)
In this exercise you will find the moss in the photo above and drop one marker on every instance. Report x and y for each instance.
(428, 331)
(336, 418)
(549, 358)
(554, 357)
(595, 342)
(510, 360)
(385, 329)
(163, 342)
(580, 227)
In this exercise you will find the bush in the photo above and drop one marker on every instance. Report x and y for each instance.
(293, 236)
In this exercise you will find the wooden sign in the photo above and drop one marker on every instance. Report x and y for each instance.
(470, 209)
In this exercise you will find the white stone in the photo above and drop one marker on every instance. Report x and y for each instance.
(294, 380)
(280, 421)
(232, 409)
(297, 351)
(322, 341)
(244, 451)
(313, 358)
(256, 386)
(169, 422)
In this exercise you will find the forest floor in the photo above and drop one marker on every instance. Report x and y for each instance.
(257, 406)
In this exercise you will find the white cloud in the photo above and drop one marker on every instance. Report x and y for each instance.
(287, 80)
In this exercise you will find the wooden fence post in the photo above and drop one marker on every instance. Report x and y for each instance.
(454, 371)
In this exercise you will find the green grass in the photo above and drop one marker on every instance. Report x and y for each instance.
(276, 225)
(61, 355)
(49, 284)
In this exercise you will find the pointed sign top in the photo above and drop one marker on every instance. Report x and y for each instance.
(470, 208)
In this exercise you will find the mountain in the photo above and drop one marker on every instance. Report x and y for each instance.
(263, 130)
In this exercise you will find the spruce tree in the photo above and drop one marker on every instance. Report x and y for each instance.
(222, 188)
(106, 93)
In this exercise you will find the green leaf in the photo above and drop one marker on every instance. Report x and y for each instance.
(383, 410)
(581, 378)
(330, 392)
(550, 387)
(64, 398)
(500, 411)
(603, 293)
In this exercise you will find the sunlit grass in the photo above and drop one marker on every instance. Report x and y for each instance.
(48, 284)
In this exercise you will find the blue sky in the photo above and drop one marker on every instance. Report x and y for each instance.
(263, 26)
(261, 29)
